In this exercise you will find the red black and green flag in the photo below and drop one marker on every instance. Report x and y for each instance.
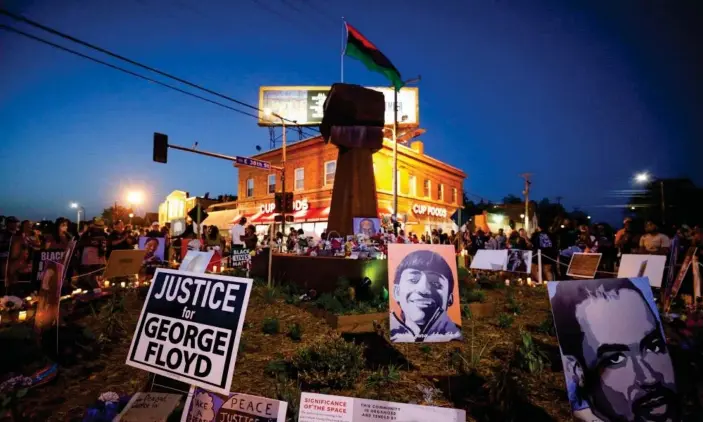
(362, 49)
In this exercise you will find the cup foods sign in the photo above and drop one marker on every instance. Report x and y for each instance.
(430, 210)
(190, 326)
(298, 205)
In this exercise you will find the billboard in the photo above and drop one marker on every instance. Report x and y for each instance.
(304, 104)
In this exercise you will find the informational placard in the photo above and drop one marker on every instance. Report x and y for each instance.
(149, 407)
(204, 406)
(240, 258)
(196, 262)
(423, 293)
(326, 408)
(583, 265)
(42, 257)
(493, 260)
(124, 263)
(190, 327)
(650, 266)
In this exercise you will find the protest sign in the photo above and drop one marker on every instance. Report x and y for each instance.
(519, 261)
(123, 263)
(673, 288)
(149, 407)
(49, 296)
(613, 349)
(487, 259)
(326, 408)
(583, 265)
(423, 293)
(196, 262)
(650, 266)
(190, 326)
(240, 258)
(41, 258)
(204, 406)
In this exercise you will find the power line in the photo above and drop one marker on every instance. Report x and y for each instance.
(125, 59)
(121, 69)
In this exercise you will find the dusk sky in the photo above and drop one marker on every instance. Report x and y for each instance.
(583, 94)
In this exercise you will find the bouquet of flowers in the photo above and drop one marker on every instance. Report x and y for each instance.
(11, 390)
(109, 405)
(11, 303)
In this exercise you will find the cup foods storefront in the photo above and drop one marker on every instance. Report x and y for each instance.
(429, 191)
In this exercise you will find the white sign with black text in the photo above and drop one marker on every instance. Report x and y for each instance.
(190, 327)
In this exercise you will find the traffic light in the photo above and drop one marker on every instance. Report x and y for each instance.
(160, 148)
(278, 202)
(288, 203)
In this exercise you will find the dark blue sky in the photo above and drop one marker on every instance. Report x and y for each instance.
(582, 94)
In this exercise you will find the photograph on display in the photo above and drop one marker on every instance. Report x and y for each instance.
(423, 293)
(583, 265)
(519, 261)
(492, 260)
(616, 362)
(196, 262)
(367, 226)
(650, 266)
(155, 248)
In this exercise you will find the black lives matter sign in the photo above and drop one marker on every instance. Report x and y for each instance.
(190, 326)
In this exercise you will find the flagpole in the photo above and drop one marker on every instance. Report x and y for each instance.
(344, 47)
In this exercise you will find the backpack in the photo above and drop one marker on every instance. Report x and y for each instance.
(544, 241)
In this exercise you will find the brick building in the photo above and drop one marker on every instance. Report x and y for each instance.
(429, 192)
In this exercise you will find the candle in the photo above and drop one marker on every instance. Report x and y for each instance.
(23, 315)
(529, 280)
(507, 282)
(123, 284)
(29, 298)
(214, 269)
(107, 283)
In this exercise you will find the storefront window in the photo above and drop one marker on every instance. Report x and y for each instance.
(454, 196)
(398, 181)
(330, 169)
(440, 191)
(426, 189)
(412, 185)
(272, 183)
(299, 179)
(250, 188)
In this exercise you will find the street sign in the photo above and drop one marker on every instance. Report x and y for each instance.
(246, 161)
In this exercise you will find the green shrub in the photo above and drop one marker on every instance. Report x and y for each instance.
(270, 294)
(465, 311)
(547, 326)
(295, 332)
(329, 363)
(383, 377)
(512, 305)
(276, 368)
(462, 273)
(270, 326)
(347, 300)
(504, 392)
(505, 320)
(473, 295)
(530, 357)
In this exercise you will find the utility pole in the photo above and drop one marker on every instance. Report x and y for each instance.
(526, 192)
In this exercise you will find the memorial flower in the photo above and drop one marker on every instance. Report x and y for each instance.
(10, 303)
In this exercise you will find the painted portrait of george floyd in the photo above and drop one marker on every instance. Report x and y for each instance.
(423, 293)
(616, 362)
(366, 226)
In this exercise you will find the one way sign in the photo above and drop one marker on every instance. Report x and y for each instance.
(246, 161)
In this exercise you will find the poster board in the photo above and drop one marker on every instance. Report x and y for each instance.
(155, 248)
(123, 263)
(673, 288)
(492, 260)
(240, 258)
(196, 261)
(610, 333)
(583, 265)
(650, 266)
(519, 261)
(423, 292)
(42, 258)
(204, 406)
(326, 408)
(181, 307)
(149, 407)
(47, 313)
(368, 226)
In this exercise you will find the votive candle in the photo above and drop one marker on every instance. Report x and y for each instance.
(23, 315)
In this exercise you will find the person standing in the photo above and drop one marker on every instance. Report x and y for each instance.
(237, 232)
(653, 242)
(59, 238)
(119, 238)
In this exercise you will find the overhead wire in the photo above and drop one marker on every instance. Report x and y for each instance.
(130, 61)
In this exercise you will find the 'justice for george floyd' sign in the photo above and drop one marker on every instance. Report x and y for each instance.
(190, 326)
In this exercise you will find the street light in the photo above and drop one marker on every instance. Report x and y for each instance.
(395, 146)
(130, 217)
(135, 197)
(268, 113)
(644, 177)
(78, 209)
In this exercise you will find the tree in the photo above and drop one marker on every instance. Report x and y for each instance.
(549, 213)
(682, 202)
(115, 213)
(512, 199)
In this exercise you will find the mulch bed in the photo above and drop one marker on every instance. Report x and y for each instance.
(421, 366)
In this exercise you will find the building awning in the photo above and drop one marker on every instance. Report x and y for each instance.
(312, 214)
(262, 218)
(384, 211)
(223, 219)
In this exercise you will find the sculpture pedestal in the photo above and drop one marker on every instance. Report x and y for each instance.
(354, 192)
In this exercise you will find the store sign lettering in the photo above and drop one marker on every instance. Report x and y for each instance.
(298, 205)
(429, 210)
